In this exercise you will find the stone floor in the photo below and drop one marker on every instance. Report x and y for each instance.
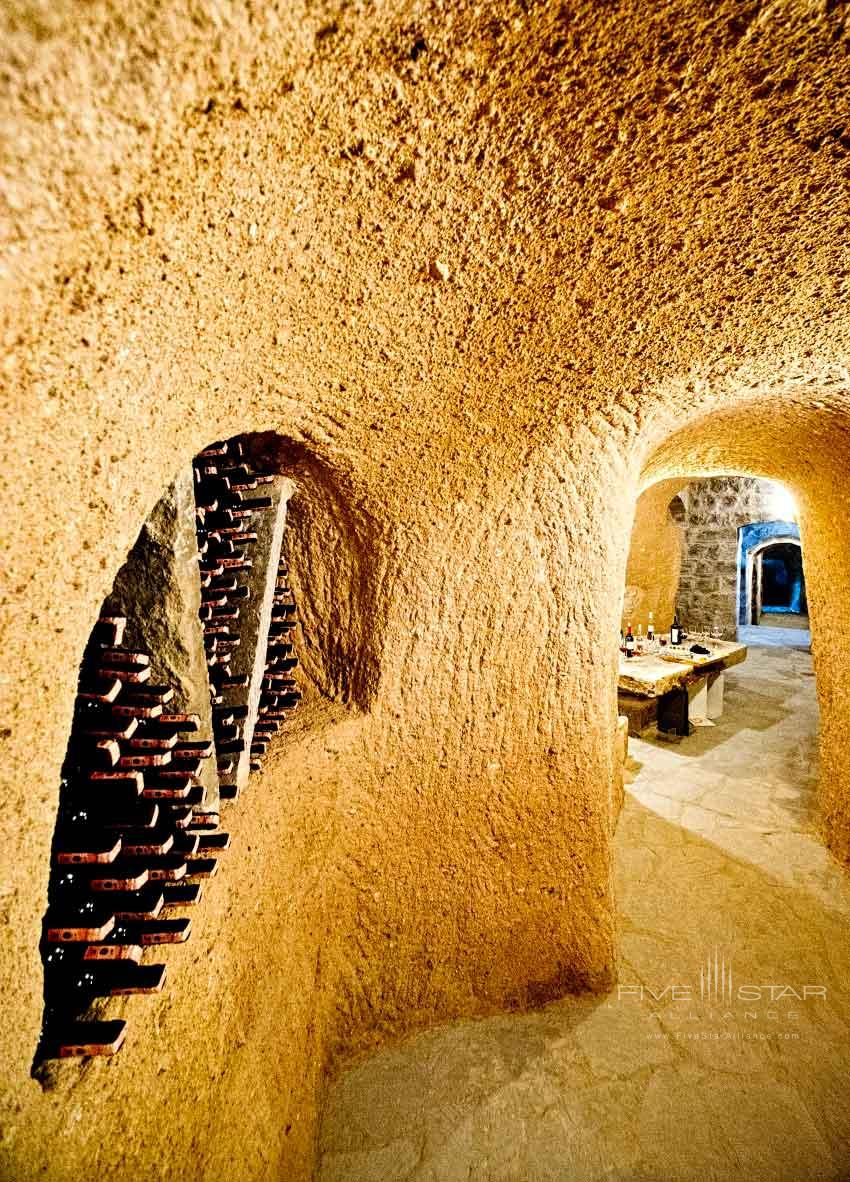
(793, 620)
(762, 636)
(718, 863)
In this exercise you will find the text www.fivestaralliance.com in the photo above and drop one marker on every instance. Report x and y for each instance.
(724, 1035)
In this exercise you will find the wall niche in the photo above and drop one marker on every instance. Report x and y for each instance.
(187, 676)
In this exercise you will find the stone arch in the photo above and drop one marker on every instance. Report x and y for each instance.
(188, 675)
(208, 242)
(749, 592)
(677, 509)
(756, 438)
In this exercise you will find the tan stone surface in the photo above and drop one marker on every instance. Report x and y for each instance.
(655, 674)
(651, 676)
(655, 559)
(222, 218)
(635, 1085)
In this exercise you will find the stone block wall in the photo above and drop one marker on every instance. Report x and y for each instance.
(716, 509)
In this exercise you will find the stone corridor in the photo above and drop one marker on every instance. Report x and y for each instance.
(717, 856)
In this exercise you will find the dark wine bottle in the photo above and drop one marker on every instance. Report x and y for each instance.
(675, 630)
(630, 642)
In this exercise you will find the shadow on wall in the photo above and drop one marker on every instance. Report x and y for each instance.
(468, 1070)
(337, 571)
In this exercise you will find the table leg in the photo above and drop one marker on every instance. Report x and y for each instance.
(698, 698)
(673, 712)
(716, 687)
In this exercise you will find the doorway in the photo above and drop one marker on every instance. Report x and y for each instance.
(777, 585)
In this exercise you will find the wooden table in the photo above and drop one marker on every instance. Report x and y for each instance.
(672, 684)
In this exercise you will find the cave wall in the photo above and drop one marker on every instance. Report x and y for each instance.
(693, 565)
(811, 461)
(655, 559)
(220, 219)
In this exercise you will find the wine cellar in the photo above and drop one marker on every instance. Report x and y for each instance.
(186, 678)
(424, 513)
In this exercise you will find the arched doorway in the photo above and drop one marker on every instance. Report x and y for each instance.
(776, 585)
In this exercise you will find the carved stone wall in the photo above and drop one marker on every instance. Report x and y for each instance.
(655, 556)
(222, 219)
(716, 509)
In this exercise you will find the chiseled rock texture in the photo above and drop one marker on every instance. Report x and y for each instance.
(485, 273)
(653, 571)
(158, 590)
(716, 855)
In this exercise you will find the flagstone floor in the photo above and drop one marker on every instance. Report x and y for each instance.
(722, 883)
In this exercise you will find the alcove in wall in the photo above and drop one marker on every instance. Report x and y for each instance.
(185, 679)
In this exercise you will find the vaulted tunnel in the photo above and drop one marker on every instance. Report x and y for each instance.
(489, 290)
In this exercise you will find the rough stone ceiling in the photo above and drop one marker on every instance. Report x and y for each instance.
(637, 204)
(226, 217)
(805, 444)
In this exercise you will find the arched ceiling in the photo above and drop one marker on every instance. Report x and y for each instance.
(641, 210)
(804, 445)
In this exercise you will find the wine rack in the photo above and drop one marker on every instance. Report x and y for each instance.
(128, 849)
(247, 609)
(137, 830)
(279, 692)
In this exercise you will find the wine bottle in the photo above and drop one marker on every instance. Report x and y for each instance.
(160, 931)
(109, 631)
(675, 630)
(86, 1038)
(650, 629)
(630, 642)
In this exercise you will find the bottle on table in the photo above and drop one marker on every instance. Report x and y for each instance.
(630, 642)
(650, 629)
(676, 630)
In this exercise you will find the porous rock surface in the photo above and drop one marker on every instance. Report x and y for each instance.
(158, 592)
(654, 568)
(229, 218)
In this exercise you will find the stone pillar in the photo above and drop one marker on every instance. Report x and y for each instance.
(716, 689)
(158, 589)
(698, 698)
(249, 659)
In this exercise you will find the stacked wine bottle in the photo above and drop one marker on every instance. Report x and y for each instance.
(280, 694)
(136, 830)
(226, 505)
(129, 848)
